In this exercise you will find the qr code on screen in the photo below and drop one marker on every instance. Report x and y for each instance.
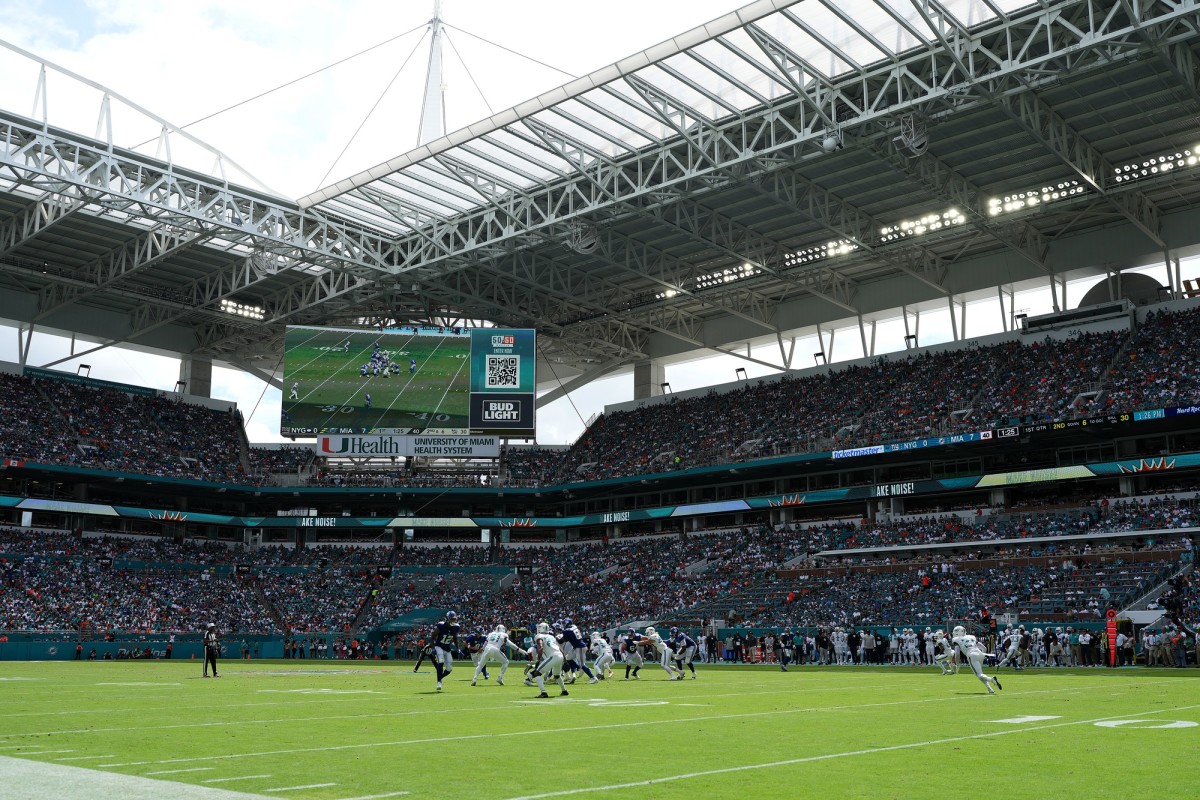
(503, 372)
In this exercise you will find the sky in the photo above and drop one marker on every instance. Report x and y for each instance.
(216, 62)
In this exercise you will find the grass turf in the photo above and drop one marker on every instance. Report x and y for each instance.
(373, 729)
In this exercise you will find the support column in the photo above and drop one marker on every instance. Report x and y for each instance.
(196, 373)
(648, 378)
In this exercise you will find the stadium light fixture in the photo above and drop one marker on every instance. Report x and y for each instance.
(740, 374)
(665, 388)
(84, 370)
(819, 252)
(910, 341)
(242, 309)
(1032, 198)
(819, 358)
(727, 275)
(180, 387)
(1157, 165)
(930, 223)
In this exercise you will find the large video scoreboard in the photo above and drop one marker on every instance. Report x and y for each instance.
(408, 380)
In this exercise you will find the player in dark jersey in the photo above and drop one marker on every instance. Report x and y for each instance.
(572, 636)
(475, 643)
(684, 648)
(444, 639)
(630, 653)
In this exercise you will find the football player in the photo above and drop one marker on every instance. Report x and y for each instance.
(1012, 648)
(631, 653)
(493, 650)
(603, 653)
(684, 647)
(475, 643)
(967, 647)
(651, 638)
(444, 640)
(944, 653)
(550, 660)
(577, 656)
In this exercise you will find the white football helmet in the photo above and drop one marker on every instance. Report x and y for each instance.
(501, 629)
(543, 627)
(959, 630)
(650, 631)
(939, 634)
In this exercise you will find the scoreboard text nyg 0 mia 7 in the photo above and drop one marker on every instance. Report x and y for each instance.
(503, 380)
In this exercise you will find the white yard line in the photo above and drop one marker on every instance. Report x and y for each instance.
(376, 796)
(829, 756)
(176, 771)
(238, 778)
(298, 788)
(84, 758)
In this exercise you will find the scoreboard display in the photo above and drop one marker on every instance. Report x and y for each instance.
(409, 380)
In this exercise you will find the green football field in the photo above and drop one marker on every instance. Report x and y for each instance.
(325, 729)
(323, 367)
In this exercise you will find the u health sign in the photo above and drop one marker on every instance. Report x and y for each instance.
(433, 446)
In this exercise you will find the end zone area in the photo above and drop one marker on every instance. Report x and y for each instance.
(337, 730)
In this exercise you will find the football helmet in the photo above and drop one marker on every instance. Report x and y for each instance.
(939, 634)
(650, 631)
(450, 615)
(674, 631)
(566, 623)
(543, 627)
(959, 630)
(501, 629)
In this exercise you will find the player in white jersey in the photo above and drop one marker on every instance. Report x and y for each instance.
(912, 656)
(602, 652)
(294, 394)
(841, 646)
(927, 641)
(665, 654)
(944, 653)
(493, 650)
(894, 646)
(969, 650)
(1012, 648)
(550, 659)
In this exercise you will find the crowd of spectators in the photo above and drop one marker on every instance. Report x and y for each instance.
(56, 580)
(1158, 368)
(58, 422)
(273, 461)
(932, 393)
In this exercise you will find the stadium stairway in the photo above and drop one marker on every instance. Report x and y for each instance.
(1142, 603)
(276, 617)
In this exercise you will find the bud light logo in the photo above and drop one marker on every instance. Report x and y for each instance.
(504, 341)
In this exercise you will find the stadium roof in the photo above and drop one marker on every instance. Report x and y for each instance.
(789, 164)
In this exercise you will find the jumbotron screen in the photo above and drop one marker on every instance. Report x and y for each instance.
(408, 380)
